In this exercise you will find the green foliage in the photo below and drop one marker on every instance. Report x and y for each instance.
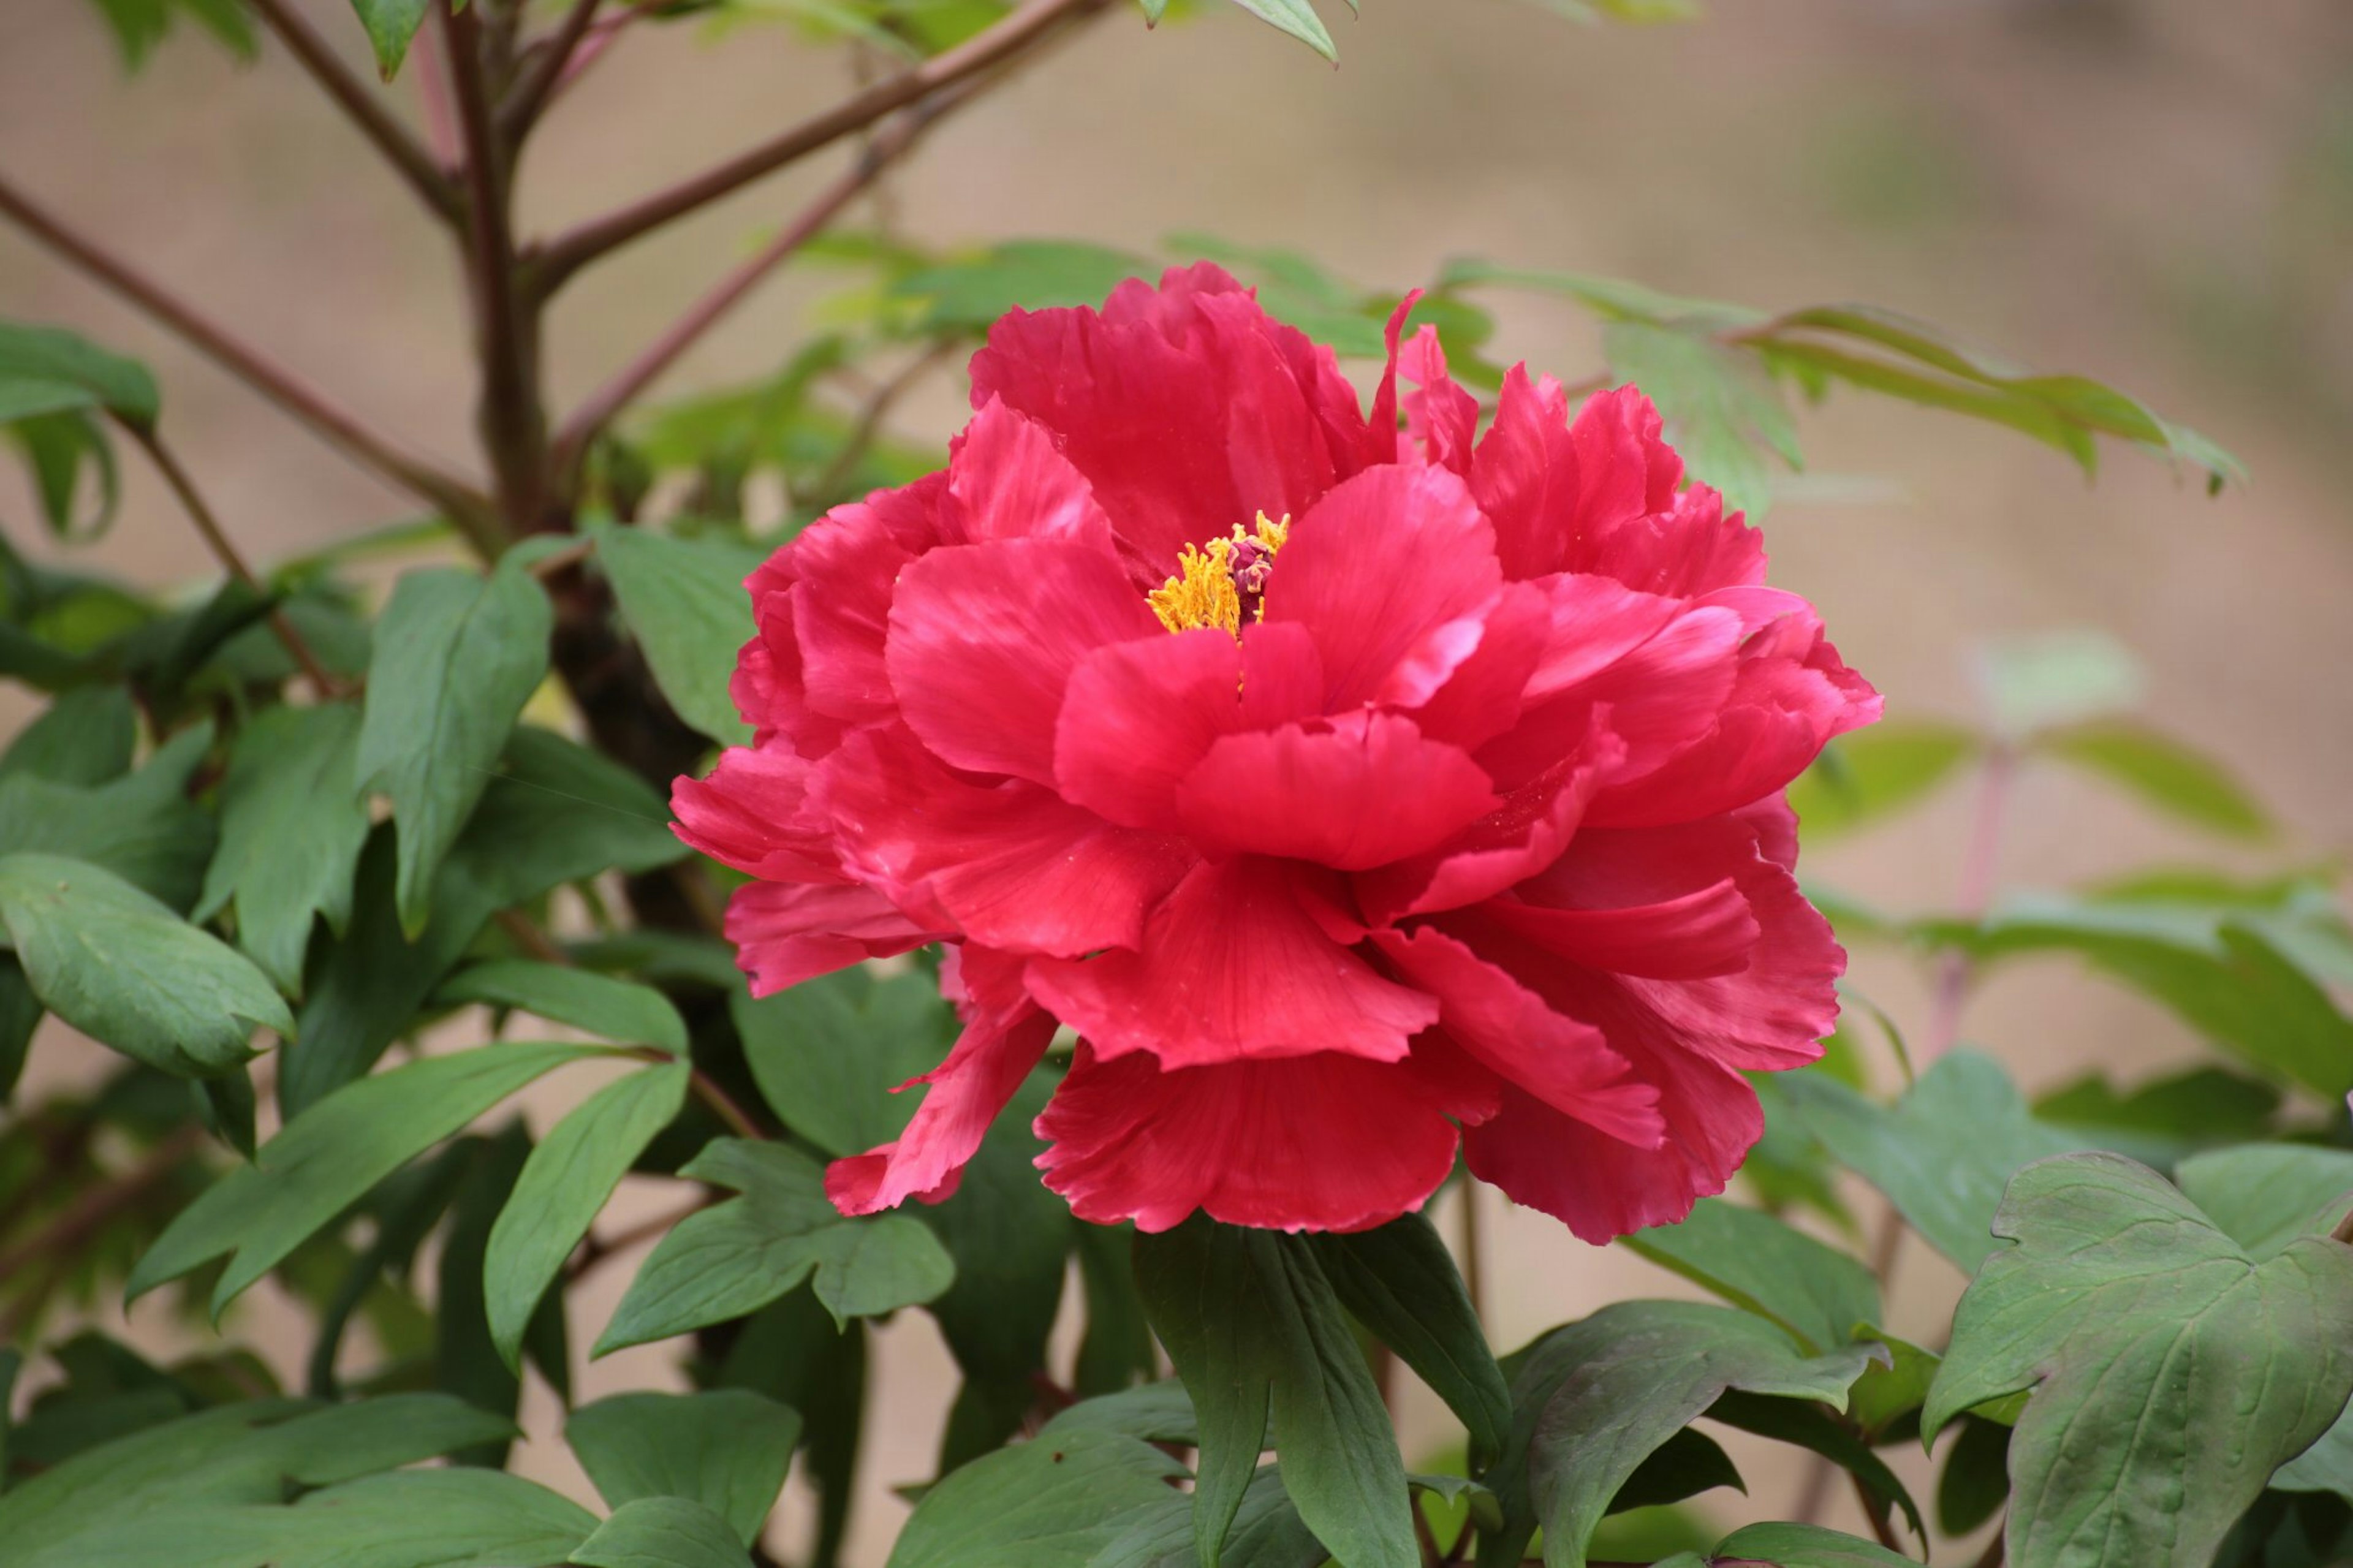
(726, 1450)
(2123, 1309)
(391, 27)
(838, 1099)
(1817, 1294)
(685, 599)
(138, 26)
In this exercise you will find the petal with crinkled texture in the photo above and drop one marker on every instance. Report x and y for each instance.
(965, 1092)
(1323, 1142)
(752, 812)
(1007, 480)
(842, 567)
(984, 639)
(1008, 864)
(785, 933)
(1232, 967)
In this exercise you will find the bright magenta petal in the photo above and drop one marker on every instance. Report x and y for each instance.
(785, 933)
(1232, 968)
(1008, 864)
(984, 639)
(752, 812)
(991, 1058)
(1350, 792)
(1137, 717)
(1326, 1141)
(842, 566)
(1006, 479)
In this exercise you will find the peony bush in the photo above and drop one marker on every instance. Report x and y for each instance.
(1272, 774)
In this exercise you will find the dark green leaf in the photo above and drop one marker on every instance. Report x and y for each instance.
(1876, 773)
(2125, 1309)
(1268, 1533)
(1754, 1261)
(685, 601)
(20, 1015)
(1118, 1347)
(428, 1517)
(292, 826)
(125, 970)
(2326, 1466)
(1258, 1336)
(1592, 1401)
(2173, 777)
(465, 1362)
(1944, 1154)
(1047, 1503)
(727, 1451)
(325, 1159)
(1155, 1411)
(1975, 1481)
(1685, 1465)
(456, 657)
(2159, 1121)
(564, 1185)
(1807, 1425)
(43, 370)
(661, 1532)
(86, 737)
(140, 25)
(61, 449)
(597, 1004)
(390, 24)
(1802, 1546)
(731, 1260)
(1885, 1393)
(1400, 1283)
(827, 1053)
(143, 826)
(794, 1353)
(2264, 1195)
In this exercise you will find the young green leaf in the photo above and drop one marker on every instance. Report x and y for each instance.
(2164, 773)
(327, 1158)
(1721, 412)
(292, 826)
(685, 599)
(86, 737)
(1399, 1281)
(390, 24)
(1815, 1292)
(1257, 1335)
(731, 1260)
(1048, 1503)
(142, 826)
(1873, 773)
(126, 971)
(140, 25)
(827, 1053)
(1592, 1401)
(46, 370)
(1944, 1154)
(1027, 274)
(564, 1185)
(2143, 1331)
(616, 1009)
(661, 1532)
(456, 657)
(727, 1449)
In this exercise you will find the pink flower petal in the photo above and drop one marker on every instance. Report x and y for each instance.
(752, 812)
(785, 933)
(1007, 480)
(990, 1060)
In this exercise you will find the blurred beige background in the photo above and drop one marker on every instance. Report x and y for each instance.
(2155, 192)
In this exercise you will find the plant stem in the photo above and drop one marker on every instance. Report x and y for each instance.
(408, 155)
(464, 505)
(569, 251)
(65, 1231)
(1979, 867)
(2344, 1231)
(826, 491)
(192, 501)
(722, 1105)
(514, 427)
(1473, 1250)
(543, 67)
(600, 407)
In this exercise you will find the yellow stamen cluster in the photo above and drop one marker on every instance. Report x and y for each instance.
(1204, 592)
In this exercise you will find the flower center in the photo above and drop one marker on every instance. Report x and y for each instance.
(1222, 583)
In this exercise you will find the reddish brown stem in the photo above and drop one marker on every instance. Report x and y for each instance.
(544, 67)
(1979, 869)
(576, 247)
(464, 505)
(408, 155)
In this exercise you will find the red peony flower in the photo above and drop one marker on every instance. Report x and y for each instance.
(1350, 792)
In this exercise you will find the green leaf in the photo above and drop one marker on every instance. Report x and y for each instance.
(1876, 773)
(328, 1157)
(61, 449)
(2226, 973)
(2175, 778)
(1818, 1293)
(1155, 1411)
(827, 1053)
(1257, 1334)
(465, 1362)
(140, 25)
(662, 1532)
(143, 826)
(1611, 298)
(1268, 1531)
(792, 1352)
(292, 826)
(598, 1003)
(233, 1453)
(564, 1185)
(1298, 19)
(1400, 1283)
(86, 737)
(2126, 1310)
(1047, 1503)
(2047, 680)
(2326, 1466)
(1944, 1154)
(390, 24)
(731, 1260)
(727, 1451)
(434, 1518)
(1807, 1425)
(2265, 1195)
(1885, 1394)
(46, 370)
(1116, 1348)
(1803, 1546)
(2159, 1121)
(456, 657)
(1594, 1400)
(1975, 1481)
(1721, 412)
(1032, 275)
(124, 970)
(685, 599)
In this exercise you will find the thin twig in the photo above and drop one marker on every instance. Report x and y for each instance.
(571, 555)
(408, 155)
(598, 1249)
(1979, 865)
(192, 501)
(57, 1239)
(545, 68)
(464, 505)
(722, 1105)
(575, 248)
(513, 429)
(601, 406)
(862, 435)
(1473, 1249)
